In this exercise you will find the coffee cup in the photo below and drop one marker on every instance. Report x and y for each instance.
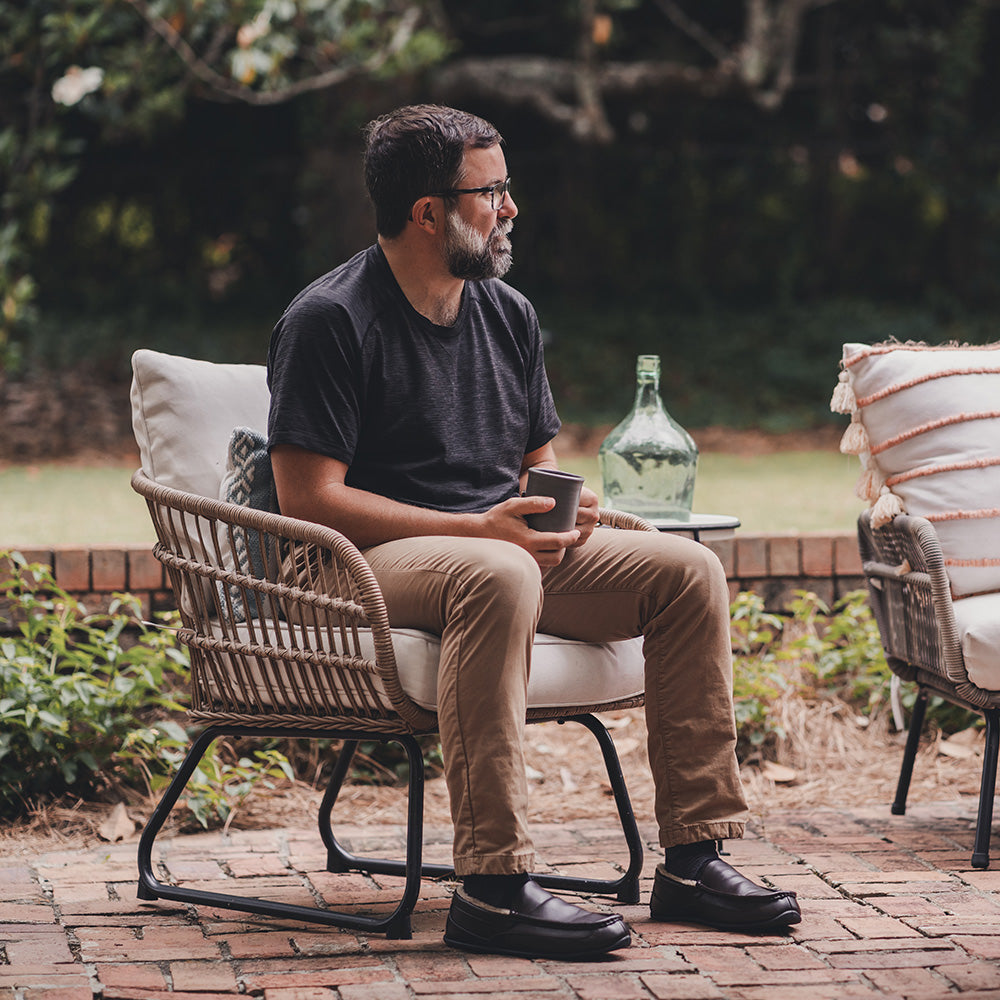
(565, 488)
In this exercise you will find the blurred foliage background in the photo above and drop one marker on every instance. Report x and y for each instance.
(738, 185)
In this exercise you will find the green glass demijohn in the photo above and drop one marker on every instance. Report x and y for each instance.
(648, 462)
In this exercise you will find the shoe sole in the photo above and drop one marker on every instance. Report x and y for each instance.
(779, 921)
(486, 948)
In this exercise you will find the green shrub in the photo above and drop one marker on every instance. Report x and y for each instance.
(840, 650)
(73, 686)
(760, 672)
(814, 652)
(89, 705)
(843, 650)
(223, 780)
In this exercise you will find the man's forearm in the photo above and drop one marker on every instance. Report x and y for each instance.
(313, 488)
(369, 519)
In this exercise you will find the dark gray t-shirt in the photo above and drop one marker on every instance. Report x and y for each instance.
(439, 417)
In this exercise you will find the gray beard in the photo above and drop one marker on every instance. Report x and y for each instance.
(472, 257)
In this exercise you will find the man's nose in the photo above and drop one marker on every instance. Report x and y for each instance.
(508, 209)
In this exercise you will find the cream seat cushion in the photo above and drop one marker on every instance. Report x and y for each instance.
(564, 673)
(978, 621)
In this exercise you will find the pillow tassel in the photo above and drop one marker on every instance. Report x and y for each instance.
(885, 508)
(871, 483)
(855, 439)
(843, 400)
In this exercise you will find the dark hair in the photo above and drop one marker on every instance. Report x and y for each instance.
(414, 151)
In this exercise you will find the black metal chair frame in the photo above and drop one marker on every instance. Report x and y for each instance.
(397, 923)
(987, 781)
(911, 600)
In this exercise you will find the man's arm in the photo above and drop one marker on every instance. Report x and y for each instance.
(312, 487)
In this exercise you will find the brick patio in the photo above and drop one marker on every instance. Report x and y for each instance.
(891, 909)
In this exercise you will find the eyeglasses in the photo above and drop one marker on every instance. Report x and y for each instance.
(498, 193)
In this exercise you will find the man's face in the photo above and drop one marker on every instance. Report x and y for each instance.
(477, 243)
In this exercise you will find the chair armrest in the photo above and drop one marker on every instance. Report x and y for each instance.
(621, 519)
(912, 603)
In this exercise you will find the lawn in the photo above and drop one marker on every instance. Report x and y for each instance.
(56, 504)
(784, 491)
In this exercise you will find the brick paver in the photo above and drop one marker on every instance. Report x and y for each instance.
(891, 909)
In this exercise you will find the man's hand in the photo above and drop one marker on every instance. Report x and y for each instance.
(587, 516)
(506, 521)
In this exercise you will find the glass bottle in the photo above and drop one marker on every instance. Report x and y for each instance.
(648, 461)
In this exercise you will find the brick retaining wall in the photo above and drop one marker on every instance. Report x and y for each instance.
(774, 566)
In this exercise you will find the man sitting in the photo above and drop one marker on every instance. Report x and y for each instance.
(408, 401)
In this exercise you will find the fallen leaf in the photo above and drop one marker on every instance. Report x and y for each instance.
(117, 826)
(610, 723)
(970, 737)
(957, 751)
(779, 773)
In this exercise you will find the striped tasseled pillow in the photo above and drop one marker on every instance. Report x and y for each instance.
(925, 422)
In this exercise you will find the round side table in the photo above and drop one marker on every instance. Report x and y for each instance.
(699, 526)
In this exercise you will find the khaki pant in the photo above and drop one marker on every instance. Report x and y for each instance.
(486, 598)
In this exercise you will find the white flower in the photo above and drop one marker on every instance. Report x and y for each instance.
(74, 86)
(254, 30)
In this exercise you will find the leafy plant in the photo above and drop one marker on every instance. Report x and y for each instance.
(85, 72)
(87, 705)
(842, 649)
(73, 686)
(847, 657)
(219, 785)
(378, 763)
(760, 676)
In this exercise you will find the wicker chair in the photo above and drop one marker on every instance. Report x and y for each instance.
(928, 638)
(273, 657)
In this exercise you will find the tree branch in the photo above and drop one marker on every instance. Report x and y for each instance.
(549, 84)
(231, 89)
(590, 120)
(692, 29)
(572, 92)
(770, 46)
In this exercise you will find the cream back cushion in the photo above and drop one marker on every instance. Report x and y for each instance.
(925, 423)
(184, 411)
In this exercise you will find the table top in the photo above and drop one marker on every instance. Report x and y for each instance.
(695, 525)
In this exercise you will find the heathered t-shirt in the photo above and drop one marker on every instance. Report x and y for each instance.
(434, 416)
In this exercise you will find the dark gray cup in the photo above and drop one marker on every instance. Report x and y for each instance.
(565, 487)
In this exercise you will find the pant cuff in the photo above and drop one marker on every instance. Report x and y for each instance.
(494, 864)
(701, 831)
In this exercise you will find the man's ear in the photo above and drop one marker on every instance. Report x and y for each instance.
(427, 213)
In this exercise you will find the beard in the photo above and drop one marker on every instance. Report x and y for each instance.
(473, 257)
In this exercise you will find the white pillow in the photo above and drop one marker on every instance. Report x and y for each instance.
(184, 411)
(925, 422)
